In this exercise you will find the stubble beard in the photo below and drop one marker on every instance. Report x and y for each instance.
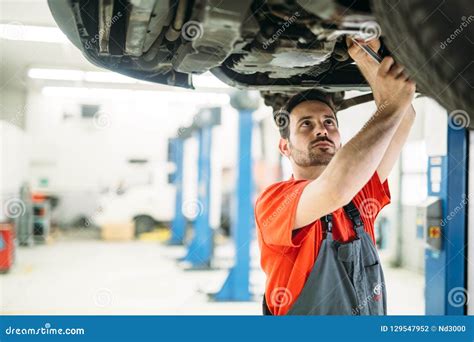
(311, 157)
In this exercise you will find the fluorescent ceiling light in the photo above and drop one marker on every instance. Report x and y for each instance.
(18, 31)
(84, 92)
(64, 91)
(107, 77)
(143, 95)
(205, 81)
(79, 75)
(55, 74)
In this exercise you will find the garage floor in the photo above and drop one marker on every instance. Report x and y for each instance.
(89, 276)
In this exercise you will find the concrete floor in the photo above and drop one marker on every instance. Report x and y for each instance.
(94, 277)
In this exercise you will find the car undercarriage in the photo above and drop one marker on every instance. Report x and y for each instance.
(279, 47)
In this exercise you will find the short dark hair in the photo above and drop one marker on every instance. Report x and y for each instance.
(282, 116)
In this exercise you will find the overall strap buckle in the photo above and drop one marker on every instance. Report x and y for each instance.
(327, 223)
(354, 214)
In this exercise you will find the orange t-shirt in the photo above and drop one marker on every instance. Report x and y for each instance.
(287, 255)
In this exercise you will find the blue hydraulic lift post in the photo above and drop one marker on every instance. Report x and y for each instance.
(236, 286)
(455, 239)
(200, 249)
(445, 270)
(178, 226)
(435, 284)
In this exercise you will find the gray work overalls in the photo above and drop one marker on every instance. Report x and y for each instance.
(346, 279)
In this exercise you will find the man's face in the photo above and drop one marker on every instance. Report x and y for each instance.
(314, 135)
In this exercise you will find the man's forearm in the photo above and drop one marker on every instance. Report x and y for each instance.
(349, 170)
(368, 70)
(396, 145)
(356, 162)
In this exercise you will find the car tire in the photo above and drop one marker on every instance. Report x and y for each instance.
(143, 224)
(434, 40)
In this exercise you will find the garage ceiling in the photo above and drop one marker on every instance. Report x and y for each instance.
(16, 57)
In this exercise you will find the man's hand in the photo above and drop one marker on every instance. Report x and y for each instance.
(359, 55)
(390, 85)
